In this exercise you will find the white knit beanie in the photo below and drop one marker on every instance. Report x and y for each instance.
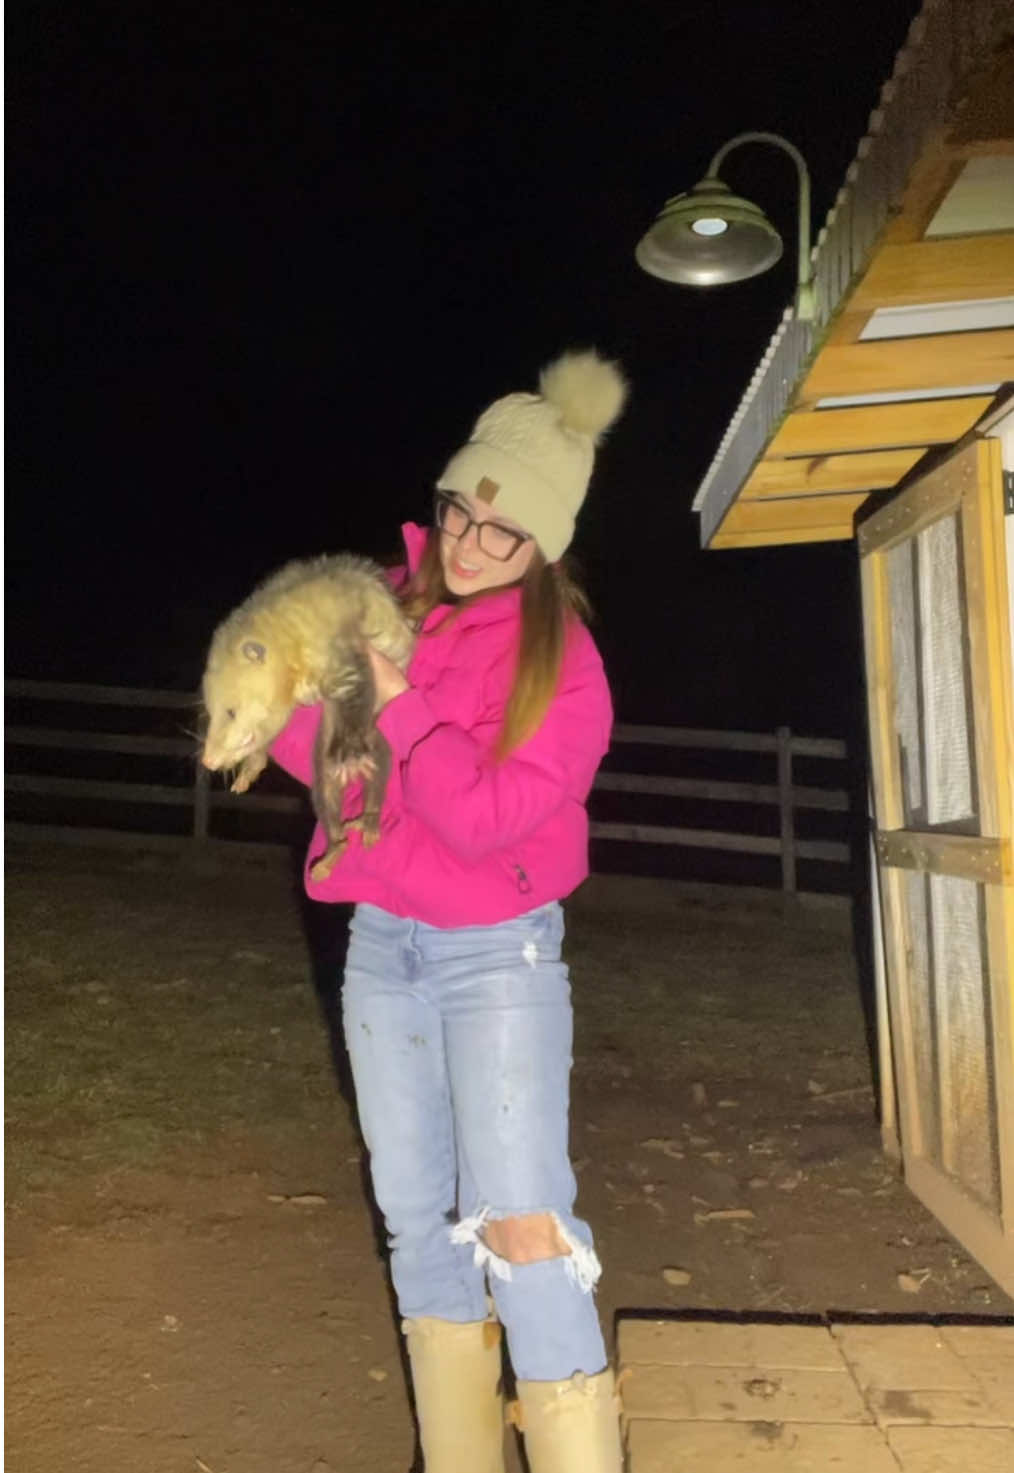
(530, 455)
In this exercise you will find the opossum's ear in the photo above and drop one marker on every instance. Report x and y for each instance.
(254, 651)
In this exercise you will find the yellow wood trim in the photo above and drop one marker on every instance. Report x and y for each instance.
(934, 495)
(941, 160)
(967, 856)
(898, 953)
(889, 811)
(895, 365)
(928, 183)
(899, 1113)
(968, 1220)
(941, 1023)
(890, 1138)
(847, 327)
(982, 148)
(887, 795)
(988, 634)
(1000, 944)
(914, 271)
(954, 269)
(781, 537)
(789, 513)
(918, 422)
(983, 539)
(819, 475)
(986, 575)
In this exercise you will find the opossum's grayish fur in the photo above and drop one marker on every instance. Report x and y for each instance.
(298, 639)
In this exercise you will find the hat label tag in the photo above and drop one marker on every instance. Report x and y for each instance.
(487, 490)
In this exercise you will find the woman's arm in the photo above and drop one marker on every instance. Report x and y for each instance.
(475, 804)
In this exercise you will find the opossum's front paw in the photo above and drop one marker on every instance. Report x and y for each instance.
(322, 867)
(249, 771)
(368, 825)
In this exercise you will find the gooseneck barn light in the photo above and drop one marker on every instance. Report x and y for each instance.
(710, 235)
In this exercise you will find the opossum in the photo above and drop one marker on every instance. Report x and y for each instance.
(298, 639)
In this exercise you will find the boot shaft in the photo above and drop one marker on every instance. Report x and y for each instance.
(458, 1387)
(571, 1426)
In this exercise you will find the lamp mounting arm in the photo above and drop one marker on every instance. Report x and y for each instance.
(805, 296)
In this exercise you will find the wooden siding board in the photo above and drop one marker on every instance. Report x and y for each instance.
(904, 365)
(819, 475)
(962, 268)
(867, 427)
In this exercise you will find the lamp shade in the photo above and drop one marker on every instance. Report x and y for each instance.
(709, 236)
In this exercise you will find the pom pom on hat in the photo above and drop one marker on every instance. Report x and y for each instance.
(530, 456)
(588, 391)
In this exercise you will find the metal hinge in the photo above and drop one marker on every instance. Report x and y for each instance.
(1008, 493)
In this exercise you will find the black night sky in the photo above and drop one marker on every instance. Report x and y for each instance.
(266, 265)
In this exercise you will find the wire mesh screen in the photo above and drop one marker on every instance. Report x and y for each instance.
(922, 1011)
(947, 723)
(949, 1005)
(932, 706)
(904, 652)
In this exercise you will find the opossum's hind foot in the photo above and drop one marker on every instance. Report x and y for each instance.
(250, 770)
(368, 825)
(322, 867)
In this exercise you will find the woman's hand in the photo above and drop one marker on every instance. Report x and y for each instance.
(387, 678)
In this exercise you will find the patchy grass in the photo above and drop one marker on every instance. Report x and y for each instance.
(140, 1016)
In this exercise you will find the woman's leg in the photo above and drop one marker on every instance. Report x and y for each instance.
(508, 1035)
(395, 1041)
(508, 1031)
(394, 1035)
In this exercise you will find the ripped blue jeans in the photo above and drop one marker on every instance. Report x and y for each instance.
(460, 1043)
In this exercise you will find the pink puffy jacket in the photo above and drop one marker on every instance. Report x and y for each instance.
(466, 840)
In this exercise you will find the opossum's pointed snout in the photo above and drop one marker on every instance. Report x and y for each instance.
(212, 754)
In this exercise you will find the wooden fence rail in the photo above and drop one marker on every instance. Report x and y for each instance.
(782, 746)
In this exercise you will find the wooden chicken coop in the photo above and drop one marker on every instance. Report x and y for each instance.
(889, 419)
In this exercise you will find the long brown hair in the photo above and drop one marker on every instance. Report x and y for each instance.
(551, 599)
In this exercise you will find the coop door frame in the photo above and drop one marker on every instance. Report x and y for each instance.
(969, 487)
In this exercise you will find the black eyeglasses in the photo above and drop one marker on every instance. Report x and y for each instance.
(496, 540)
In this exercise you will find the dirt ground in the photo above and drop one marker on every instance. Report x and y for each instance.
(194, 1278)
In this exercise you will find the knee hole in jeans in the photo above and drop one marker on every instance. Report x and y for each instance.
(530, 1238)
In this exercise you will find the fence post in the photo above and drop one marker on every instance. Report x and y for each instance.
(202, 801)
(788, 835)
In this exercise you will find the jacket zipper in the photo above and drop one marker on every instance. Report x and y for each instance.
(524, 883)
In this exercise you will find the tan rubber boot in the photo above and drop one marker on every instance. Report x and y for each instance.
(571, 1426)
(456, 1377)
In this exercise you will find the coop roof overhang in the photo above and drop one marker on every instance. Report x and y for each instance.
(914, 331)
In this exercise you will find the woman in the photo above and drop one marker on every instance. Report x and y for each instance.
(456, 1003)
